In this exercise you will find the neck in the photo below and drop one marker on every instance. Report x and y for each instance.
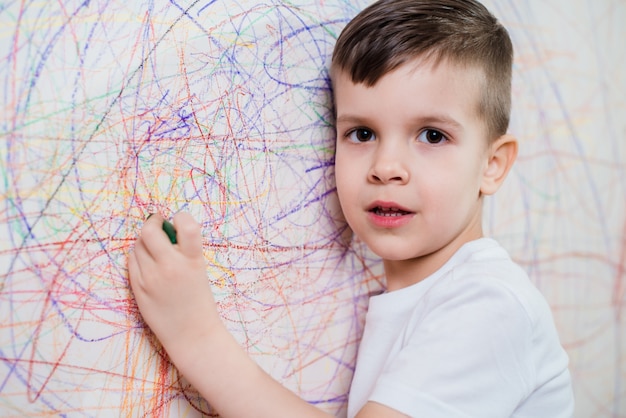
(403, 273)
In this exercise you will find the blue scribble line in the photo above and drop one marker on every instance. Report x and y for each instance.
(77, 155)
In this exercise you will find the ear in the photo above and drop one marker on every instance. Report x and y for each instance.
(500, 158)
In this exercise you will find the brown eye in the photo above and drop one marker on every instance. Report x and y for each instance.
(361, 135)
(432, 136)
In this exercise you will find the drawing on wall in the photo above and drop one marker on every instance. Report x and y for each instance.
(112, 110)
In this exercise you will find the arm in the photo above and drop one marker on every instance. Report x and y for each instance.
(175, 299)
(376, 410)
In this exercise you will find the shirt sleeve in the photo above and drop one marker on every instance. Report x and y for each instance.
(467, 355)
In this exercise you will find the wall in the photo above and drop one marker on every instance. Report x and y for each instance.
(112, 110)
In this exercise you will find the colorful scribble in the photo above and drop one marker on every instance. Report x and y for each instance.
(113, 110)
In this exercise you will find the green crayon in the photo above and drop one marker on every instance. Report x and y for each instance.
(169, 229)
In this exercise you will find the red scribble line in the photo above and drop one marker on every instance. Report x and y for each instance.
(69, 366)
(588, 338)
(272, 249)
(81, 149)
(52, 289)
(581, 255)
(220, 179)
(55, 284)
(31, 363)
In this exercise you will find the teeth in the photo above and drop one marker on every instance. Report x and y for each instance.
(388, 212)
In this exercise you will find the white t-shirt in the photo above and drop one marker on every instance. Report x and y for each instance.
(475, 339)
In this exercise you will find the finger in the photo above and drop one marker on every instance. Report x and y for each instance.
(188, 234)
(134, 271)
(153, 239)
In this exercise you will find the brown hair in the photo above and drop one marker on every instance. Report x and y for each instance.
(389, 33)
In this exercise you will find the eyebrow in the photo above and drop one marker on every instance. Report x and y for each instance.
(434, 119)
(349, 119)
(440, 119)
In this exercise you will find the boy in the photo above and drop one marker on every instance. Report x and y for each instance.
(422, 95)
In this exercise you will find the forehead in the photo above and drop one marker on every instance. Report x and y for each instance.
(418, 88)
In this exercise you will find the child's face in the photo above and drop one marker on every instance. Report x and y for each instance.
(410, 155)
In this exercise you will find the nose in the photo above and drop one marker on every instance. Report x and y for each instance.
(389, 165)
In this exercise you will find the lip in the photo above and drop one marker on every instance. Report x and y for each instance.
(392, 216)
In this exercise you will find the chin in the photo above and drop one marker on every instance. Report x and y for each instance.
(389, 253)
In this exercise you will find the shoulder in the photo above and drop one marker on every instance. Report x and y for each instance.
(480, 338)
(489, 279)
(489, 300)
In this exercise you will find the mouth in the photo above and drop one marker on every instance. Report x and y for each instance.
(388, 210)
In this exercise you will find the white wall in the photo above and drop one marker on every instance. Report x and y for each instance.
(114, 109)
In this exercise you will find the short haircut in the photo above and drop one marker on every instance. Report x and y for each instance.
(390, 33)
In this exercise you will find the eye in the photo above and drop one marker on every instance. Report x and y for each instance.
(431, 136)
(361, 135)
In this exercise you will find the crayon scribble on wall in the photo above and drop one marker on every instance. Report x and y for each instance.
(112, 110)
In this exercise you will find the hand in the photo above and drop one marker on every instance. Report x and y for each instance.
(171, 287)
(175, 299)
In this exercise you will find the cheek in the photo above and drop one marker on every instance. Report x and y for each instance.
(345, 193)
(342, 171)
(340, 176)
(464, 173)
(346, 181)
(451, 190)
